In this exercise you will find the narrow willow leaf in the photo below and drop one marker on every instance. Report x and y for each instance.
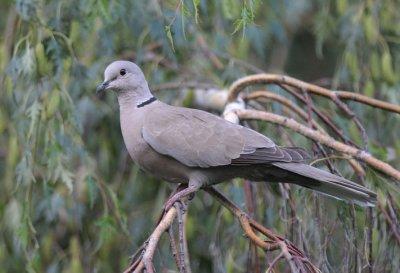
(104, 9)
(74, 31)
(3, 121)
(24, 171)
(341, 6)
(196, 4)
(169, 36)
(387, 68)
(42, 64)
(67, 178)
(28, 59)
(374, 64)
(107, 229)
(13, 214)
(121, 217)
(53, 103)
(33, 113)
(230, 9)
(370, 28)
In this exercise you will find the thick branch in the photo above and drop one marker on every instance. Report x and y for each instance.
(240, 84)
(146, 260)
(322, 138)
(328, 121)
(289, 104)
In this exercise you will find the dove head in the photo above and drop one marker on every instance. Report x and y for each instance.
(127, 80)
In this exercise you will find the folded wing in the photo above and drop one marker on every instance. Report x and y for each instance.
(200, 139)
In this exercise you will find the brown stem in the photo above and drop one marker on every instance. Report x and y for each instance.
(322, 138)
(390, 222)
(284, 101)
(252, 258)
(143, 257)
(274, 242)
(240, 84)
(182, 250)
(273, 263)
(356, 121)
(173, 246)
(185, 245)
(321, 115)
(147, 258)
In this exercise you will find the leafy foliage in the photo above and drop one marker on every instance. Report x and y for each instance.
(71, 200)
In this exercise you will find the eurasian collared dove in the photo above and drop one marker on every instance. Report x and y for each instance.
(184, 145)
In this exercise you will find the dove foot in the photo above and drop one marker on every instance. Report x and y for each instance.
(189, 192)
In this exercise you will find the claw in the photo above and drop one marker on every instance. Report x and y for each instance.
(191, 196)
(170, 203)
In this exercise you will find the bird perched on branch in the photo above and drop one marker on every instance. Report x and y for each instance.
(183, 145)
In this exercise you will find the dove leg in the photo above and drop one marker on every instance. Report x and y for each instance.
(193, 186)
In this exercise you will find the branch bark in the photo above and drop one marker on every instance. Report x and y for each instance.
(240, 84)
(296, 259)
(146, 260)
(322, 138)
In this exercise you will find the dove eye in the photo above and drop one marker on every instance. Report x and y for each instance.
(122, 72)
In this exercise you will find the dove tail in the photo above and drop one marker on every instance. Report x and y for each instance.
(328, 183)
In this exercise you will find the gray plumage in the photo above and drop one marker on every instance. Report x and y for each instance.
(191, 146)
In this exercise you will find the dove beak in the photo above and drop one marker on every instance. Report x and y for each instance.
(102, 87)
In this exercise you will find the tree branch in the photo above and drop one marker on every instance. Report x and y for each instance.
(322, 138)
(296, 259)
(240, 84)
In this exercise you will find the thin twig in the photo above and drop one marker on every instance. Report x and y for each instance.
(353, 116)
(322, 138)
(273, 263)
(182, 251)
(185, 245)
(274, 241)
(240, 84)
(284, 101)
(174, 248)
(147, 258)
(390, 222)
(325, 118)
(318, 146)
(143, 258)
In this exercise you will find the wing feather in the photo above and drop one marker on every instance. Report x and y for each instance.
(200, 139)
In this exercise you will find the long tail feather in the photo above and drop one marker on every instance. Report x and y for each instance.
(329, 184)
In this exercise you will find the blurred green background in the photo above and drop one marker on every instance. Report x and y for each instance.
(71, 200)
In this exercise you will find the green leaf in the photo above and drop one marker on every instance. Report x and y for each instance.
(247, 17)
(107, 229)
(387, 68)
(104, 9)
(24, 170)
(74, 31)
(341, 6)
(230, 9)
(196, 4)
(53, 103)
(370, 28)
(33, 113)
(169, 36)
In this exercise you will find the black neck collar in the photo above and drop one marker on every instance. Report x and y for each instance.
(147, 102)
